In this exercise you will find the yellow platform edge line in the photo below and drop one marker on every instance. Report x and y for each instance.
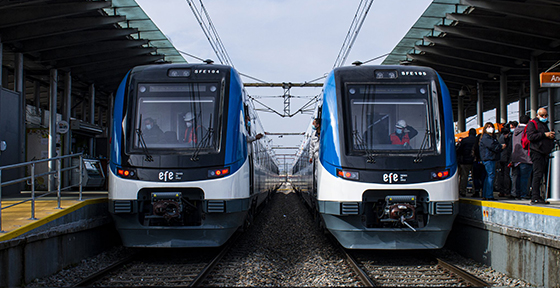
(26, 228)
(540, 210)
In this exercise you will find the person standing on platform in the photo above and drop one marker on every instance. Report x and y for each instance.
(490, 150)
(503, 178)
(478, 170)
(522, 165)
(541, 144)
(465, 155)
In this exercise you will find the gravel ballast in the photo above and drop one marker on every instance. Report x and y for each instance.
(283, 247)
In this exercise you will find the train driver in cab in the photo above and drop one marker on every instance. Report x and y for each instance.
(403, 133)
(191, 132)
(152, 132)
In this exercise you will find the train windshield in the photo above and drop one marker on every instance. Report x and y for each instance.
(392, 117)
(176, 116)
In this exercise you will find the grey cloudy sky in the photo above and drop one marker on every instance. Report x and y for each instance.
(285, 41)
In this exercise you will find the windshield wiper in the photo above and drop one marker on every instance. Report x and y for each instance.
(142, 142)
(362, 143)
(418, 158)
(205, 142)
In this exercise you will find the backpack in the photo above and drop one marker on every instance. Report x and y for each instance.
(524, 141)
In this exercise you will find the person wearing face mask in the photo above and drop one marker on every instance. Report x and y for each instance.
(314, 143)
(191, 132)
(151, 132)
(490, 152)
(251, 138)
(541, 143)
(403, 133)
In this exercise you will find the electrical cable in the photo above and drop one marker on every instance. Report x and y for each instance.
(210, 32)
(553, 66)
(353, 31)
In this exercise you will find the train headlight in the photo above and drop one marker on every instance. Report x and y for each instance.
(438, 175)
(126, 173)
(215, 173)
(352, 175)
(179, 72)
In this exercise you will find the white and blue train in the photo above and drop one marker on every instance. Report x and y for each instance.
(182, 172)
(386, 174)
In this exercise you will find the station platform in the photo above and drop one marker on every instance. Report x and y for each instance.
(57, 239)
(17, 220)
(511, 236)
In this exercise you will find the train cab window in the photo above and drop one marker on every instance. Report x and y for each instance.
(176, 116)
(392, 117)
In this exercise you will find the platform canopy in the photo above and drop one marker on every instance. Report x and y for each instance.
(97, 41)
(476, 41)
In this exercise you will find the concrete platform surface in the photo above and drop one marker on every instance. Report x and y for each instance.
(17, 220)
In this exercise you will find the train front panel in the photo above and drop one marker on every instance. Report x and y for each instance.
(387, 177)
(179, 175)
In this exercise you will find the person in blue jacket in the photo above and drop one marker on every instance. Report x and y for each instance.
(490, 152)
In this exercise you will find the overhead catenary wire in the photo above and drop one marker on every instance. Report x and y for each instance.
(355, 26)
(210, 32)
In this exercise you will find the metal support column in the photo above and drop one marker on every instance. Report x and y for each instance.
(91, 115)
(52, 124)
(522, 106)
(461, 125)
(20, 88)
(66, 117)
(551, 116)
(503, 99)
(99, 116)
(534, 86)
(37, 96)
(479, 104)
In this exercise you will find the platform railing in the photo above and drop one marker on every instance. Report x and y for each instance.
(30, 180)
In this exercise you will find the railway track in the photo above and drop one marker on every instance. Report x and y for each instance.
(407, 269)
(175, 267)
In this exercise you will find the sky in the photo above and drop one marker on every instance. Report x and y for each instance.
(285, 41)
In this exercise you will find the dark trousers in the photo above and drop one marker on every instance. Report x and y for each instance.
(540, 167)
(503, 180)
(464, 171)
(478, 175)
(520, 179)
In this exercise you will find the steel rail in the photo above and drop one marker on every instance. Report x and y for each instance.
(362, 275)
(101, 273)
(470, 278)
(197, 282)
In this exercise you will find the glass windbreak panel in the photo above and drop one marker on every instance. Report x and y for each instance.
(176, 116)
(389, 117)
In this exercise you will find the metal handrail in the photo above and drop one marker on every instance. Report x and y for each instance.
(57, 175)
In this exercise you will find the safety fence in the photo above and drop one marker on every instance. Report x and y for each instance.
(54, 173)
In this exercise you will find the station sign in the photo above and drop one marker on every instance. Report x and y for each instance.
(62, 127)
(550, 79)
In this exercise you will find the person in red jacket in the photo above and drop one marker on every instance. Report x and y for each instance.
(192, 130)
(403, 133)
